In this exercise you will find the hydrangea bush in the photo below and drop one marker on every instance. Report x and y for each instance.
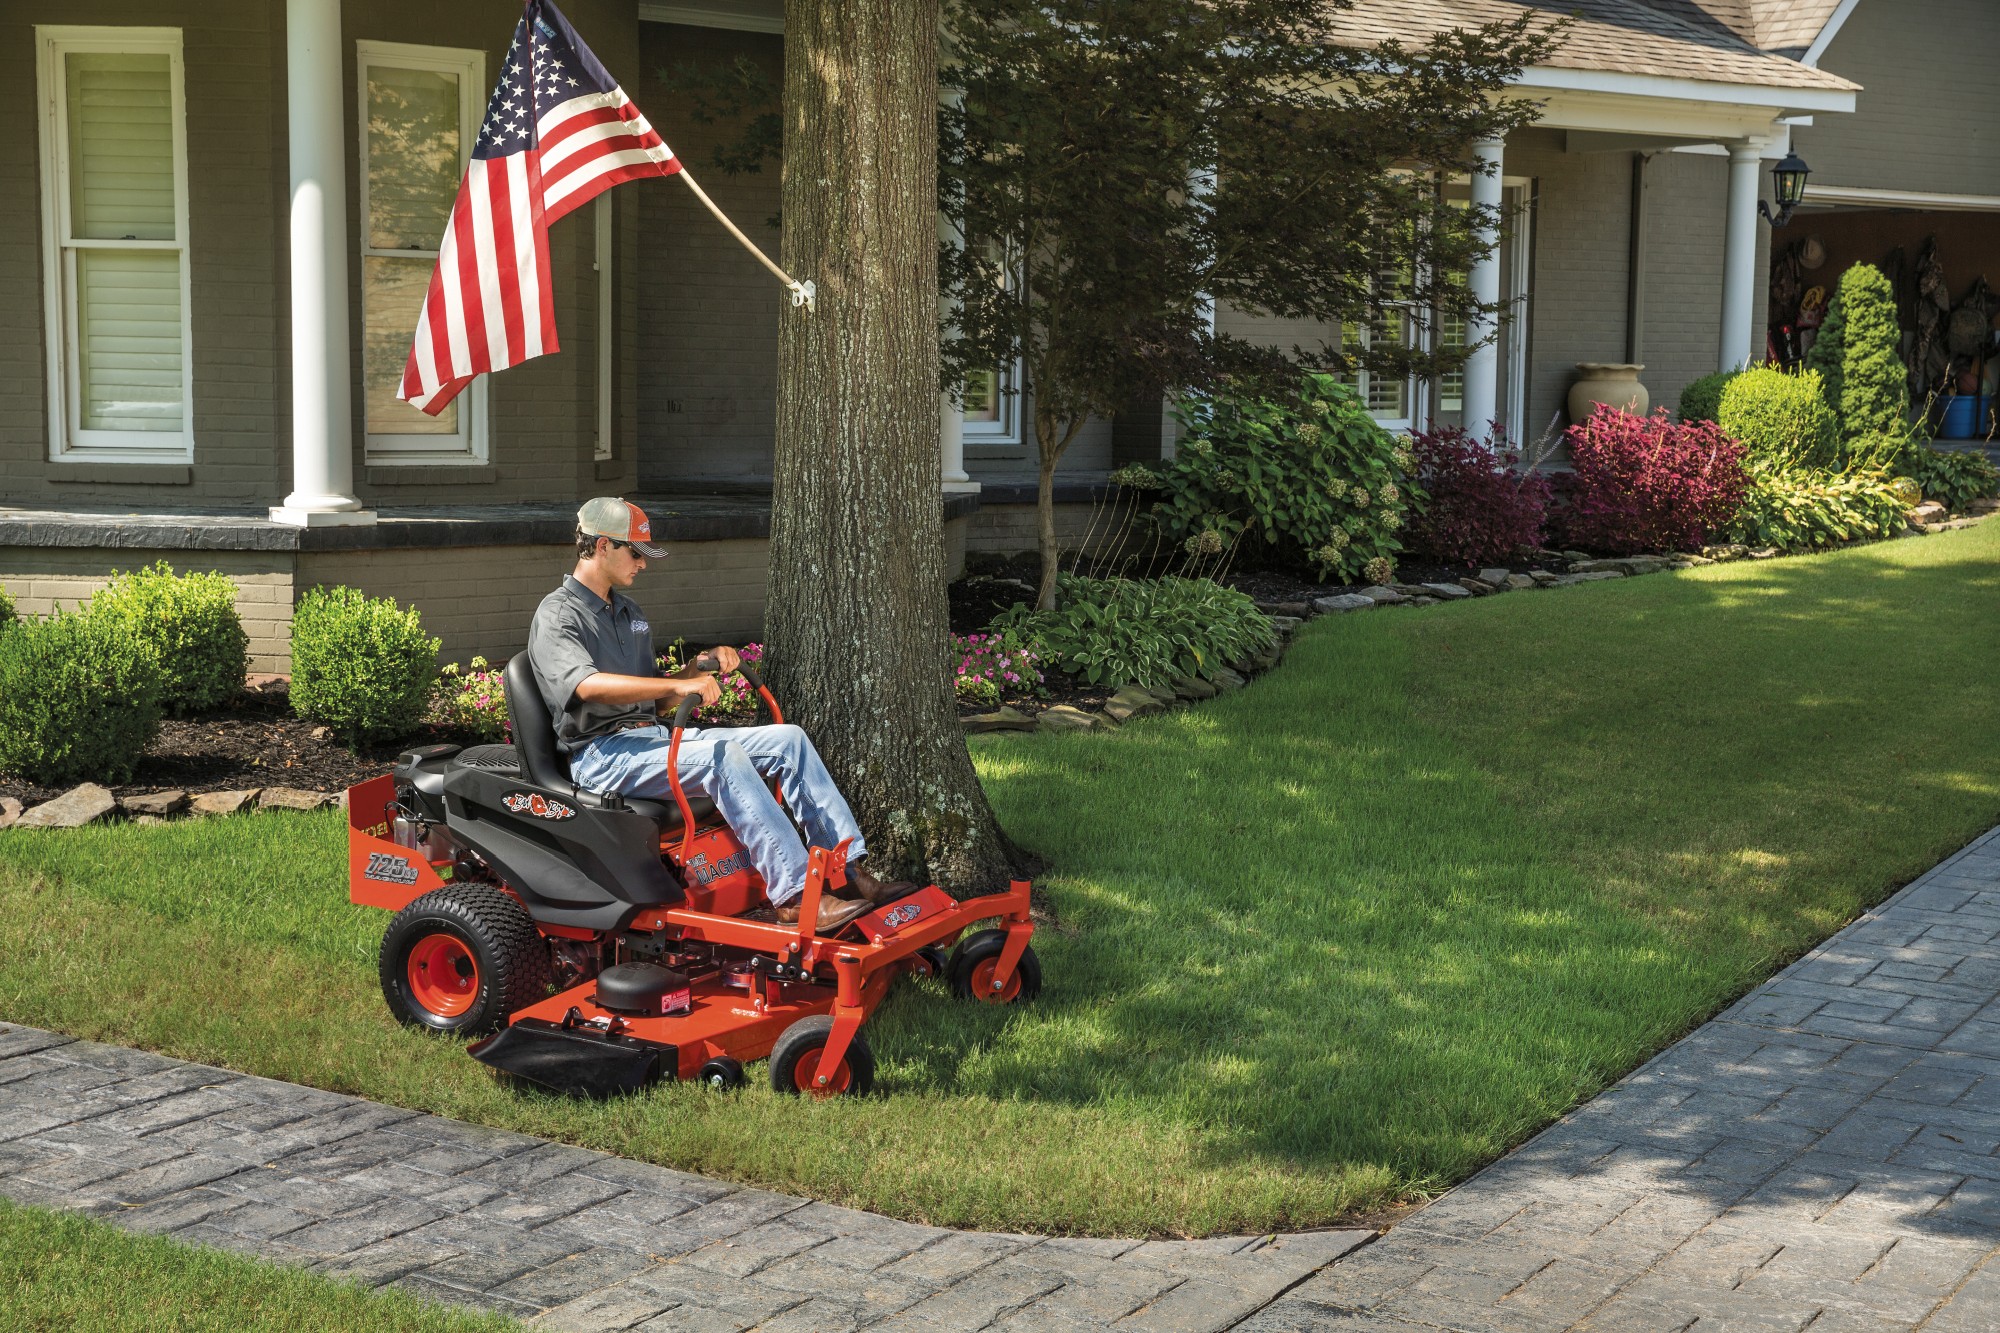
(1650, 483)
(1479, 507)
(1309, 480)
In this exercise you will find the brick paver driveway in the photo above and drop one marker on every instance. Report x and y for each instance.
(1821, 1156)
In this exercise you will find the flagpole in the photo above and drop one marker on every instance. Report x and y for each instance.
(802, 292)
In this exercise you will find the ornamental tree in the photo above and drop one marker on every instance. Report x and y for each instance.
(1874, 384)
(1117, 167)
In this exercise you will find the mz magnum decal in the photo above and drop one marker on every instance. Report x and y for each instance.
(708, 872)
(536, 804)
(387, 869)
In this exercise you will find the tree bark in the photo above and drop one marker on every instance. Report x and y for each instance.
(857, 617)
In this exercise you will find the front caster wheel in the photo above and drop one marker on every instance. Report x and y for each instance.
(974, 962)
(723, 1074)
(795, 1061)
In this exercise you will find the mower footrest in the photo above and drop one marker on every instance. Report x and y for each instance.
(576, 1061)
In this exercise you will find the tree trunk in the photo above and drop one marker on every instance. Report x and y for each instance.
(1045, 531)
(857, 618)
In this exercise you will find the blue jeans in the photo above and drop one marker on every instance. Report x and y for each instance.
(730, 766)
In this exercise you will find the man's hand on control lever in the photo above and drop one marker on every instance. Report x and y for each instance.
(703, 676)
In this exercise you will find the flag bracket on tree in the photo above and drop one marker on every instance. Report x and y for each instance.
(558, 132)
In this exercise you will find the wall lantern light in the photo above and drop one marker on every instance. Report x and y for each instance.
(1788, 183)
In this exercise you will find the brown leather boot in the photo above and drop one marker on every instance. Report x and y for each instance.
(833, 913)
(875, 891)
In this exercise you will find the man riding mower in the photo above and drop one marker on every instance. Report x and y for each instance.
(646, 874)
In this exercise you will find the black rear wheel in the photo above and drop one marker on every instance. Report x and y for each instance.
(461, 959)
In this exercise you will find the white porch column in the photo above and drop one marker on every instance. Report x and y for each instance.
(322, 419)
(1739, 255)
(1482, 367)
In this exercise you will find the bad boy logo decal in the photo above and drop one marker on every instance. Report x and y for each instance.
(536, 804)
(902, 916)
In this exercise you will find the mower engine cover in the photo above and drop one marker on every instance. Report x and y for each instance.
(647, 989)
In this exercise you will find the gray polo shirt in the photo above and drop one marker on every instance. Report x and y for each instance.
(577, 634)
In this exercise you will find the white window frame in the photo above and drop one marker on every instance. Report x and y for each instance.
(471, 443)
(69, 441)
(1007, 383)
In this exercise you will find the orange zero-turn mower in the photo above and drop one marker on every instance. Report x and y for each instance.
(605, 942)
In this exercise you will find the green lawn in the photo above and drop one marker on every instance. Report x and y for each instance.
(63, 1274)
(1327, 943)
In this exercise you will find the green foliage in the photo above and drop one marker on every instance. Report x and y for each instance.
(361, 665)
(1796, 508)
(473, 703)
(1311, 479)
(7, 616)
(1828, 354)
(79, 698)
(1779, 418)
(191, 622)
(1142, 631)
(1874, 387)
(1702, 400)
(1091, 261)
(1953, 478)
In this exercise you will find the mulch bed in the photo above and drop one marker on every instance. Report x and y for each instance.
(253, 742)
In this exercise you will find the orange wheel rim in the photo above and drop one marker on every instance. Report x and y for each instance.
(805, 1075)
(982, 983)
(444, 977)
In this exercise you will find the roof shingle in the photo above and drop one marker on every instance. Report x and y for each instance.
(1669, 38)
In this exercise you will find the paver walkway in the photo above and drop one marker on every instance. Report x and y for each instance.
(1824, 1155)
(585, 1241)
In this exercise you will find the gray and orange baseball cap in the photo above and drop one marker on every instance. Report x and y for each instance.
(621, 521)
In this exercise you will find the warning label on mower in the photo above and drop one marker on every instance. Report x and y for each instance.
(387, 869)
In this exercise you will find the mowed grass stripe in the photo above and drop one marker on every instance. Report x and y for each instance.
(64, 1273)
(1328, 942)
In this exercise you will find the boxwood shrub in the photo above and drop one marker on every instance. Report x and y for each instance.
(191, 622)
(79, 698)
(1781, 419)
(361, 665)
(6, 609)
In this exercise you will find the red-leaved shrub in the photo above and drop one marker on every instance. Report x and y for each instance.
(1479, 508)
(1650, 483)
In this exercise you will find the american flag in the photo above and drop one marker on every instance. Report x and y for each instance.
(558, 132)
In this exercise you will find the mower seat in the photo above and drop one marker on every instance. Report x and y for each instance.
(543, 763)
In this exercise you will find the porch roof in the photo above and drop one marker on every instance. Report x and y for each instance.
(1661, 39)
(677, 516)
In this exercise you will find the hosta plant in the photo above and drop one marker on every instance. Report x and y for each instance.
(1143, 631)
(1796, 509)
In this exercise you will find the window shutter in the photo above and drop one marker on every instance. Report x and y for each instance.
(128, 332)
(121, 147)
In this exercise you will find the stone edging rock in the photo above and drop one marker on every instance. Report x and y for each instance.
(89, 803)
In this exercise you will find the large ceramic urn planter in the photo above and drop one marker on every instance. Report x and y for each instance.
(1615, 384)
